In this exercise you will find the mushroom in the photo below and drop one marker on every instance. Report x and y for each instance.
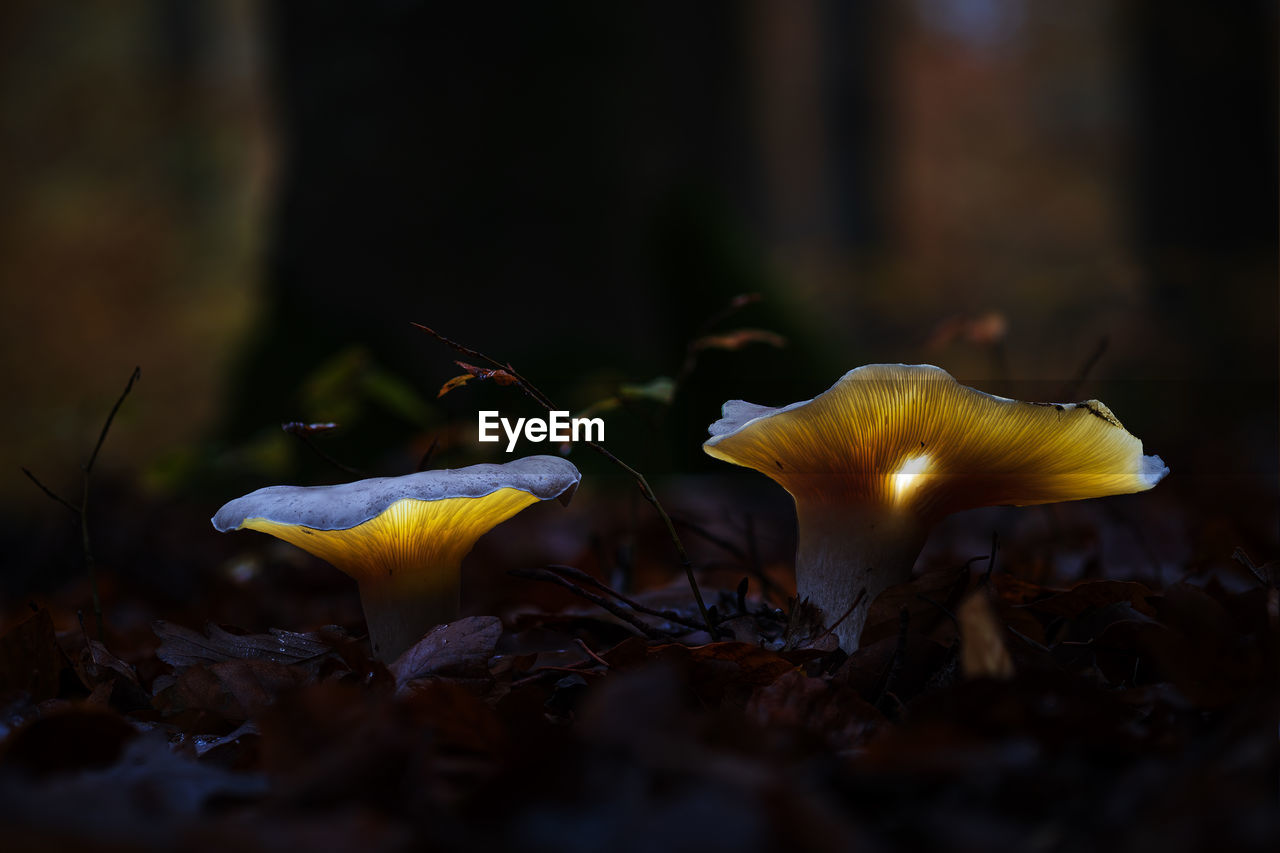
(873, 462)
(402, 538)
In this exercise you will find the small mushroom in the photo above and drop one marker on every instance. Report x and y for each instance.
(877, 459)
(402, 538)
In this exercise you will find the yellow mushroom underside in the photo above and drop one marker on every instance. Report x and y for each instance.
(412, 543)
(921, 440)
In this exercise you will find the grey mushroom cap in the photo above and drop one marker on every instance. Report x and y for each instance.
(735, 414)
(349, 504)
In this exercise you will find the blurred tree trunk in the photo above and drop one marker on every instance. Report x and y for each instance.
(570, 186)
(1203, 81)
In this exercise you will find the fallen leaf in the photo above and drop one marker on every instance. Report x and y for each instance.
(834, 713)
(724, 671)
(661, 390)
(739, 338)
(1096, 594)
(461, 648)
(927, 599)
(495, 374)
(234, 690)
(204, 744)
(1017, 591)
(69, 740)
(455, 382)
(97, 656)
(143, 799)
(984, 330)
(31, 659)
(182, 647)
(885, 667)
(982, 650)
(254, 684)
(110, 678)
(1198, 646)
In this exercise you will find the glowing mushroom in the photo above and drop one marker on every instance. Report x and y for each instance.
(877, 459)
(402, 538)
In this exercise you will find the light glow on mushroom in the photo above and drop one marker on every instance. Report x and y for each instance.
(909, 476)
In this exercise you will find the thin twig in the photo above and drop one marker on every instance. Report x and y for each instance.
(736, 304)
(82, 511)
(715, 539)
(582, 645)
(942, 608)
(646, 491)
(1027, 640)
(750, 557)
(426, 457)
(1243, 559)
(102, 436)
(768, 586)
(525, 386)
(89, 561)
(1073, 388)
(299, 430)
(692, 351)
(90, 564)
(572, 669)
(551, 577)
(862, 593)
(991, 563)
(55, 496)
(583, 578)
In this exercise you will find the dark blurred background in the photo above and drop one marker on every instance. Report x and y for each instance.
(252, 201)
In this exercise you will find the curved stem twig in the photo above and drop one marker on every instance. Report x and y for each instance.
(535, 394)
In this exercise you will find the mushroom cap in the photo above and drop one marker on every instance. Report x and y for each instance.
(371, 527)
(911, 436)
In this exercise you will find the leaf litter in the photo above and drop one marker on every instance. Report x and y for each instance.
(980, 711)
(985, 709)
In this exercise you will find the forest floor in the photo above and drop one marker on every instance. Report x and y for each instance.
(998, 701)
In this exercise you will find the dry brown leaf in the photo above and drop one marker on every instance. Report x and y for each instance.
(182, 647)
(455, 382)
(460, 648)
(739, 338)
(31, 659)
(494, 374)
(982, 650)
(1097, 594)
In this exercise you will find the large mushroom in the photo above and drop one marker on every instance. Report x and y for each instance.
(877, 459)
(402, 538)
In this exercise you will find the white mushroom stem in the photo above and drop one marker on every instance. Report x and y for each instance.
(850, 553)
(399, 613)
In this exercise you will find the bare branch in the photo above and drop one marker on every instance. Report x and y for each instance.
(102, 436)
(551, 577)
(1072, 389)
(584, 578)
(50, 492)
(534, 393)
(303, 433)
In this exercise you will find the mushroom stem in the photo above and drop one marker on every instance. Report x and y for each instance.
(398, 614)
(851, 550)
